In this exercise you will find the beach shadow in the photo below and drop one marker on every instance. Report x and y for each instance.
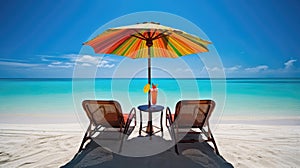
(196, 155)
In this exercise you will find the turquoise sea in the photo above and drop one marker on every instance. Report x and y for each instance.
(29, 98)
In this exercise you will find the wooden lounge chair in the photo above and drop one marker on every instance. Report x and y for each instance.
(192, 120)
(104, 116)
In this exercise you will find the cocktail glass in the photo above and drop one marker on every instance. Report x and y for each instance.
(154, 96)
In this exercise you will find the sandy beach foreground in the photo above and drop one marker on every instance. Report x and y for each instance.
(54, 145)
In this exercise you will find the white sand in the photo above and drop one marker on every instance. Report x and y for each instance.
(38, 145)
(259, 145)
(241, 145)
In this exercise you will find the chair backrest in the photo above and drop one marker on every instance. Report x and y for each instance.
(193, 113)
(106, 113)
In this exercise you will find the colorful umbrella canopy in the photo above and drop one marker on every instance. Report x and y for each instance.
(132, 41)
(147, 40)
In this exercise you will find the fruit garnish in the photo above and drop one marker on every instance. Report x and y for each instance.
(154, 86)
(146, 88)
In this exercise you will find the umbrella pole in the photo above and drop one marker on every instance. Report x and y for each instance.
(149, 77)
(149, 126)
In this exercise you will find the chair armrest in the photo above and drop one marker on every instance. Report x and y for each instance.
(168, 117)
(131, 116)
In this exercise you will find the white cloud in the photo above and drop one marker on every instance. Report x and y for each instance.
(57, 63)
(71, 57)
(60, 66)
(17, 64)
(86, 64)
(47, 58)
(289, 63)
(105, 64)
(108, 65)
(69, 60)
(187, 70)
(88, 59)
(233, 68)
(215, 69)
(183, 70)
(12, 60)
(70, 63)
(65, 57)
(222, 69)
(257, 68)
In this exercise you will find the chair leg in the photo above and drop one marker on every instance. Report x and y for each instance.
(167, 121)
(126, 129)
(85, 138)
(211, 138)
(121, 145)
(82, 142)
(176, 149)
(175, 138)
(215, 145)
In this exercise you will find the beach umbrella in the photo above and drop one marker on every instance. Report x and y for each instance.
(147, 40)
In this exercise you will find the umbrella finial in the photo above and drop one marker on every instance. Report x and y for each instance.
(149, 42)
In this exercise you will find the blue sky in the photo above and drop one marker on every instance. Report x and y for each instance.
(254, 38)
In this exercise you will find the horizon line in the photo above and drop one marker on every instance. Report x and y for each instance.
(163, 78)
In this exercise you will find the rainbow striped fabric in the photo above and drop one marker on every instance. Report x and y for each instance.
(133, 41)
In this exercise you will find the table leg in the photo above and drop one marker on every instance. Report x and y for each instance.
(149, 129)
(140, 131)
(161, 125)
